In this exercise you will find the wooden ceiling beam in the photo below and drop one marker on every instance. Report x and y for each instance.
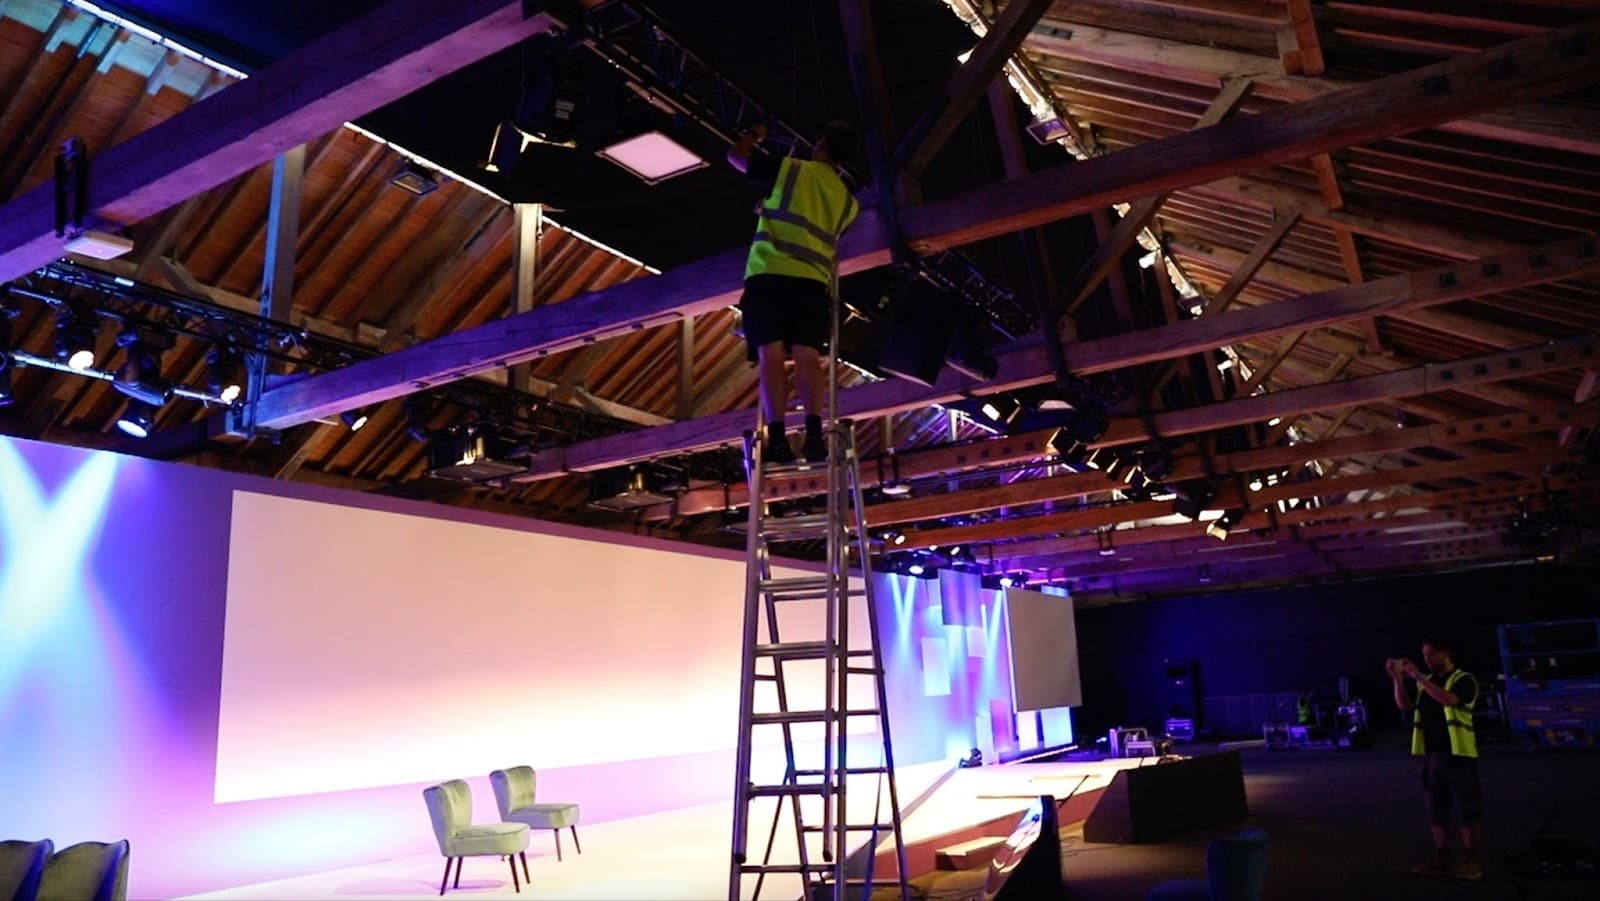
(364, 64)
(1472, 328)
(1549, 63)
(1174, 538)
(1359, 390)
(1228, 496)
(1548, 125)
(1440, 284)
(939, 121)
(1028, 366)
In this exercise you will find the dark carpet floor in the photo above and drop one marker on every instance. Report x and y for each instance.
(1350, 824)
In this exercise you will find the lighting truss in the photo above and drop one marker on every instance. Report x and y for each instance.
(68, 286)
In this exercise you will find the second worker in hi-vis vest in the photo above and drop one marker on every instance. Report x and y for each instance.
(791, 276)
(1442, 735)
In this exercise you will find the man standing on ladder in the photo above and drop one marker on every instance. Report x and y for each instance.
(791, 276)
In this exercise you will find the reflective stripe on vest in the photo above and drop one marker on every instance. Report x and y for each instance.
(1457, 720)
(787, 233)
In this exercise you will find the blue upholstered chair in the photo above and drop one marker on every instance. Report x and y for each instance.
(1236, 870)
(21, 866)
(514, 793)
(87, 871)
(450, 807)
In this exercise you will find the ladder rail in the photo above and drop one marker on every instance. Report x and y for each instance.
(847, 554)
(874, 630)
(747, 671)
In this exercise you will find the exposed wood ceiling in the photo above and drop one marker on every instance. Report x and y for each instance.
(1396, 262)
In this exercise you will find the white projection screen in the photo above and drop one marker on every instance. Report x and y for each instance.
(1044, 650)
(366, 648)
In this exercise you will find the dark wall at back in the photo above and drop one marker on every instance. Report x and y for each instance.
(1293, 639)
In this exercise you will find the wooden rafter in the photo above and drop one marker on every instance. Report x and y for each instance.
(1386, 106)
(366, 63)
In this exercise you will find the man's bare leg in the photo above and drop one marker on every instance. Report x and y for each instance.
(774, 383)
(808, 376)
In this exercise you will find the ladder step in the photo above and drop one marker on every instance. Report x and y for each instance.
(798, 528)
(849, 771)
(808, 588)
(804, 650)
(754, 868)
(789, 790)
(851, 827)
(806, 716)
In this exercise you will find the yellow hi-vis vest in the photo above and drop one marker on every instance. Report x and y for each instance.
(1457, 721)
(801, 220)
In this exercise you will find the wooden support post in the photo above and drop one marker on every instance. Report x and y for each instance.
(686, 368)
(528, 227)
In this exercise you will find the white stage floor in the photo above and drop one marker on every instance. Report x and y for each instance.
(682, 854)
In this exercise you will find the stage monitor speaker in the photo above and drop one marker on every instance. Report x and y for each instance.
(1151, 803)
(1028, 866)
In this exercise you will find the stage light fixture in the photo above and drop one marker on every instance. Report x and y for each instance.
(890, 484)
(139, 376)
(224, 376)
(552, 91)
(97, 244)
(6, 312)
(505, 148)
(355, 419)
(416, 421)
(1048, 129)
(1002, 410)
(916, 569)
(137, 419)
(653, 157)
(1192, 497)
(1222, 525)
(75, 331)
(415, 178)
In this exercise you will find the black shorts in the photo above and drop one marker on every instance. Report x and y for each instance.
(1449, 780)
(784, 308)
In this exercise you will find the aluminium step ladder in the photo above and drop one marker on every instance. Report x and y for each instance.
(812, 694)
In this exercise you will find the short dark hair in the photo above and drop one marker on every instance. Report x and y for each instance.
(842, 139)
(1438, 643)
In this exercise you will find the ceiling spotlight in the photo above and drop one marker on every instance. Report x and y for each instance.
(139, 376)
(1222, 525)
(224, 377)
(75, 331)
(895, 489)
(137, 419)
(1006, 581)
(1001, 410)
(355, 419)
(894, 538)
(916, 569)
(415, 178)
